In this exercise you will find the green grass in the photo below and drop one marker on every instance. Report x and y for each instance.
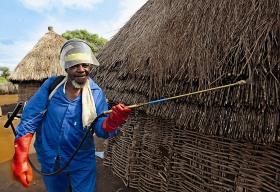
(3, 80)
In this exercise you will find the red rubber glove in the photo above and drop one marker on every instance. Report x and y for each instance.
(21, 169)
(116, 118)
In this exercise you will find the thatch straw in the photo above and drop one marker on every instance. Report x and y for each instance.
(42, 61)
(174, 47)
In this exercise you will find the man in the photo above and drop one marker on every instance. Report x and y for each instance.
(60, 120)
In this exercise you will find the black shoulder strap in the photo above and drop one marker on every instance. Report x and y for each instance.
(55, 83)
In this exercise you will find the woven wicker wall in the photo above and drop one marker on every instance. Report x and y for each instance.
(152, 154)
(27, 89)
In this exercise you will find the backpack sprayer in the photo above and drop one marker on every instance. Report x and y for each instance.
(14, 114)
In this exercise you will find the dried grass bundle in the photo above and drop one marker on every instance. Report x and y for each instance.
(42, 61)
(174, 47)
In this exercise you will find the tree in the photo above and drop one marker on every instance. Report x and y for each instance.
(5, 72)
(95, 42)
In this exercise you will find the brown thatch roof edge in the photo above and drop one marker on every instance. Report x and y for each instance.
(42, 61)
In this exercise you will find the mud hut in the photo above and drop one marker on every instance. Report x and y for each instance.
(39, 64)
(226, 140)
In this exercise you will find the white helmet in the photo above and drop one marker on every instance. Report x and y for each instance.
(76, 51)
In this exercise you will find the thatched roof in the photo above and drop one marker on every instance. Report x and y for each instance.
(174, 47)
(42, 61)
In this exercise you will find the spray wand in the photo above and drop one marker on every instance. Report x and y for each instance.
(241, 82)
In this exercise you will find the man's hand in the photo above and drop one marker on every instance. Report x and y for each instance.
(116, 118)
(22, 171)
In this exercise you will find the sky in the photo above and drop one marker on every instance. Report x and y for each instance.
(24, 22)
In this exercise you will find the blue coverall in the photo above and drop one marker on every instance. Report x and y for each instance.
(58, 133)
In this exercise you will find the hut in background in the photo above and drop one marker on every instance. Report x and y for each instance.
(39, 64)
(226, 140)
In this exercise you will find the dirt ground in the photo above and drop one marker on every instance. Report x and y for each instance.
(8, 99)
(106, 181)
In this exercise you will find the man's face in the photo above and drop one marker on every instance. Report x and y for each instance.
(79, 73)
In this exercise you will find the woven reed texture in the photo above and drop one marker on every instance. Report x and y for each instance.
(226, 140)
(152, 154)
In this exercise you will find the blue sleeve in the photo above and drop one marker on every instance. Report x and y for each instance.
(33, 111)
(101, 106)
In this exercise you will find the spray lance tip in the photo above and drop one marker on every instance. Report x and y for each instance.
(241, 82)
